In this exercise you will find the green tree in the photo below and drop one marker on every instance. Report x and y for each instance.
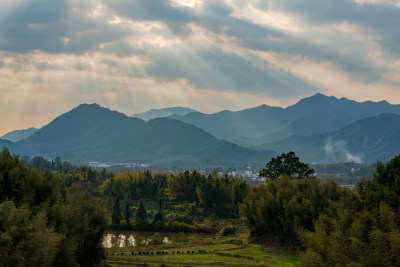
(286, 164)
(389, 174)
(141, 214)
(83, 222)
(91, 175)
(127, 212)
(116, 212)
(158, 221)
(26, 239)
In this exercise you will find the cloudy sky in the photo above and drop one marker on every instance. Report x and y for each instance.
(132, 55)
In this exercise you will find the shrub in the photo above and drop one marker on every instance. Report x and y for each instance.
(227, 230)
(156, 238)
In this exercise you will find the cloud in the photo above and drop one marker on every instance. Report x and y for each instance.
(275, 50)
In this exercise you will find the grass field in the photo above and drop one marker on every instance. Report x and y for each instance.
(228, 251)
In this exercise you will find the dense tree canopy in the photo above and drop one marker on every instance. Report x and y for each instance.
(41, 224)
(214, 195)
(276, 210)
(362, 228)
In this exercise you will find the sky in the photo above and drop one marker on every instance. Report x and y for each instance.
(132, 56)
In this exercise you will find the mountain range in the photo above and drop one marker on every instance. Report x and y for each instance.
(313, 115)
(319, 129)
(93, 133)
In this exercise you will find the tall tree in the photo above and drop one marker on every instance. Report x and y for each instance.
(127, 212)
(91, 175)
(141, 214)
(158, 221)
(116, 212)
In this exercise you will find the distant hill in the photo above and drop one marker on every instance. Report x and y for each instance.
(18, 135)
(13, 147)
(233, 124)
(313, 115)
(367, 140)
(93, 133)
(162, 113)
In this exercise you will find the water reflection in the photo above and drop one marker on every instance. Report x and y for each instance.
(130, 240)
(136, 238)
(121, 240)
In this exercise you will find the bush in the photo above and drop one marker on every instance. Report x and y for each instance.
(156, 238)
(139, 240)
(227, 230)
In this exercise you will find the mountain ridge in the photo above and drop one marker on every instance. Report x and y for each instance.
(255, 126)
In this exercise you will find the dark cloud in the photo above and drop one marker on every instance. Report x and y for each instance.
(382, 19)
(40, 11)
(46, 25)
(74, 27)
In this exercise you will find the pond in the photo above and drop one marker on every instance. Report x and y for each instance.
(135, 238)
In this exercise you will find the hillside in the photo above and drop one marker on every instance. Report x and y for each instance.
(367, 140)
(93, 133)
(13, 147)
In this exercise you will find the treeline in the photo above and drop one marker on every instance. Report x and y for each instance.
(67, 172)
(209, 194)
(40, 163)
(280, 208)
(331, 225)
(43, 224)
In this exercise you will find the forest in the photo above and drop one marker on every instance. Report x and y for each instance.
(56, 214)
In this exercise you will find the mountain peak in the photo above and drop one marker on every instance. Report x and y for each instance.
(319, 97)
(93, 109)
(88, 106)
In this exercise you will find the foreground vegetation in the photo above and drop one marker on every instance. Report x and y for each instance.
(42, 223)
(332, 225)
(55, 214)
